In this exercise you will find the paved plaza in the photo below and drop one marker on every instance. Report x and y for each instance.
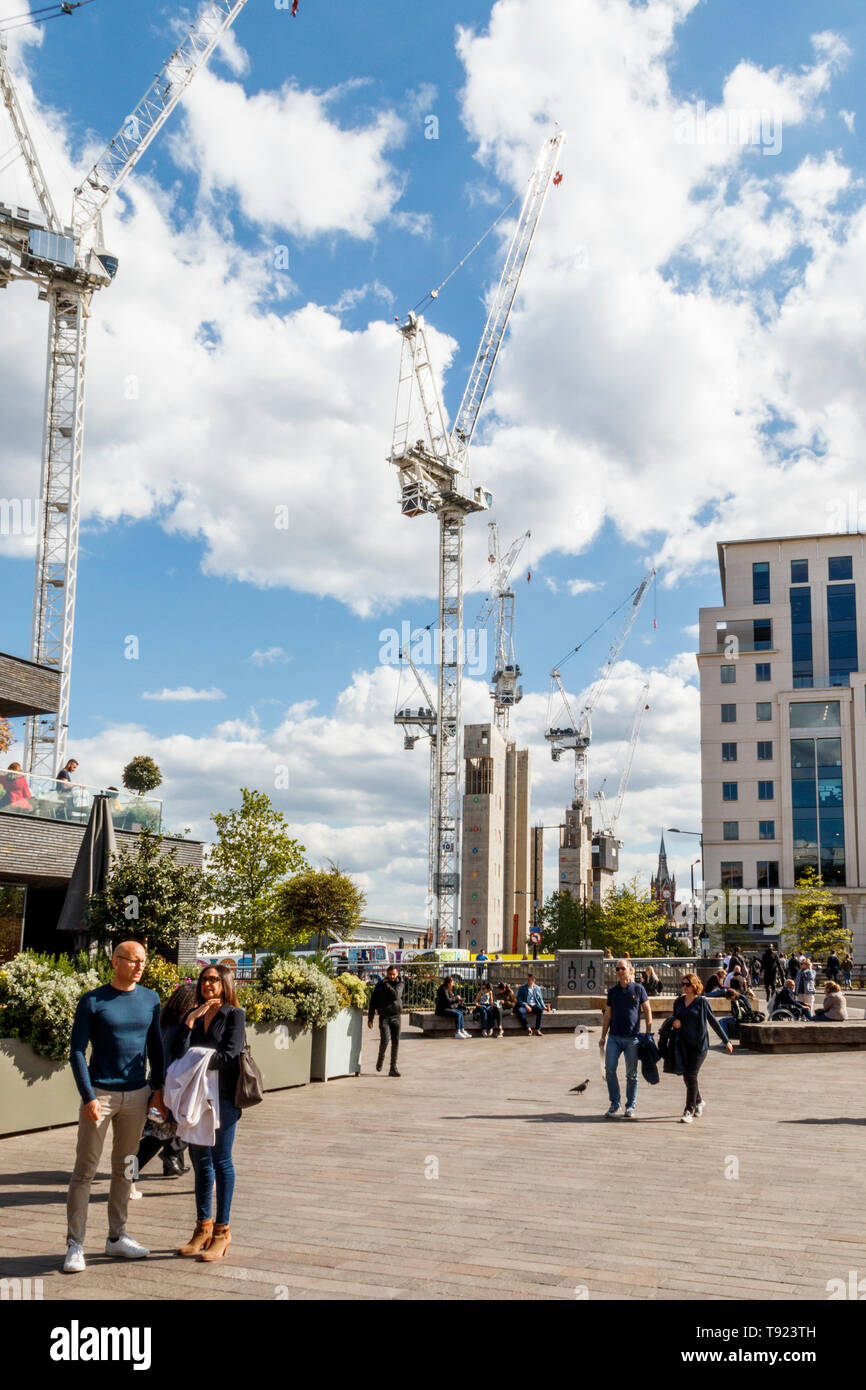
(537, 1196)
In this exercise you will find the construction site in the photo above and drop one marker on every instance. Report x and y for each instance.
(485, 881)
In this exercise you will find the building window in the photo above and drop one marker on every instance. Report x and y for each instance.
(799, 571)
(731, 829)
(765, 791)
(841, 632)
(761, 582)
(765, 750)
(762, 633)
(729, 791)
(729, 675)
(729, 752)
(766, 830)
(815, 714)
(801, 637)
(732, 873)
(768, 873)
(763, 711)
(729, 714)
(479, 776)
(817, 810)
(839, 567)
(762, 671)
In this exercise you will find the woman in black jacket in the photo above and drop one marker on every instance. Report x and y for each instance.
(692, 1015)
(173, 1149)
(218, 1023)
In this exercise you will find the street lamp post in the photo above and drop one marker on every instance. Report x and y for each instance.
(694, 905)
(672, 830)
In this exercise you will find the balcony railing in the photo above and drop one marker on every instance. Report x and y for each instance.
(46, 799)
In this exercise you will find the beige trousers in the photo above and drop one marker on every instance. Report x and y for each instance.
(126, 1112)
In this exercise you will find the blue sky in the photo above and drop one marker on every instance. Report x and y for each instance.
(668, 360)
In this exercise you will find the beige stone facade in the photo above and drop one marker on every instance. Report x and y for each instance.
(495, 881)
(782, 667)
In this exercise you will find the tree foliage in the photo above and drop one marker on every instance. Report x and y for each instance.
(7, 738)
(627, 921)
(248, 865)
(149, 896)
(141, 774)
(318, 902)
(813, 921)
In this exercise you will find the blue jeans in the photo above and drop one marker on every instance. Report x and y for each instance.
(215, 1165)
(523, 1011)
(616, 1046)
(456, 1014)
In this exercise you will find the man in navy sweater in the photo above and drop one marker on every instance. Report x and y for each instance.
(120, 1022)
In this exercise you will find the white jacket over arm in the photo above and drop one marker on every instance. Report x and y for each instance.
(192, 1095)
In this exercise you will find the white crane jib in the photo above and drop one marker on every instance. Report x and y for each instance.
(576, 734)
(68, 263)
(434, 478)
(500, 603)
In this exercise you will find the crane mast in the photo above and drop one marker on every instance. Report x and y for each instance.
(69, 264)
(610, 821)
(576, 734)
(434, 478)
(505, 690)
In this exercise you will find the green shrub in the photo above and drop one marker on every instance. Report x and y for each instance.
(262, 1006)
(354, 994)
(161, 975)
(316, 998)
(38, 996)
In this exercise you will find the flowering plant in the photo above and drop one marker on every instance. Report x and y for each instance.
(316, 998)
(38, 1000)
(354, 993)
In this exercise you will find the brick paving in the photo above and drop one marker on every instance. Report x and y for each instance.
(537, 1196)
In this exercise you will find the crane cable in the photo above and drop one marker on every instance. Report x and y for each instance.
(431, 295)
(24, 20)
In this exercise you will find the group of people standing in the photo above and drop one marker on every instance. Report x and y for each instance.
(192, 1048)
(795, 981)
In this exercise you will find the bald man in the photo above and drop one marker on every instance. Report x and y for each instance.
(120, 1023)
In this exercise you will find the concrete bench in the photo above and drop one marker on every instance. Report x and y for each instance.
(662, 1005)
(563, 1021)
(803, 1037)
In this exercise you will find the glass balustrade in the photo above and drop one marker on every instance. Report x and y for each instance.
(47, 799)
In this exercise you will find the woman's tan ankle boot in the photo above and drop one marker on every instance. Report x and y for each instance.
(201, 1239)
(218, 1246)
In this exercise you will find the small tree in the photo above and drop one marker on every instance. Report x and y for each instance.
(813, 922)
(251, 859)
(149, 895)
(141, 775)
(318, 902)
(562, 920)
(630, 921)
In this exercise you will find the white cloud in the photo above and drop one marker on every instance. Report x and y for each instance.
(270, 656)
(848, 118)
(349, 298)
(292, 166)
(183, 693)
(583, 586)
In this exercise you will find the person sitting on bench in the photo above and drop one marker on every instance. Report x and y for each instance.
(530, 1000)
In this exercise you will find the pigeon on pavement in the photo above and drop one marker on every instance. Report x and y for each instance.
(581, 1088)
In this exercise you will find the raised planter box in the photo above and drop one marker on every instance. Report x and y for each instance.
(283, 1053)
(337, 1047)
(803, 1037)
(35, 1093)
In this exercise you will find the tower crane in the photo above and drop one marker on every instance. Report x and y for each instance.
(577, 733)
(423, 718)
(607, 820)
(434, 478)
(68, 264)
(500, 603)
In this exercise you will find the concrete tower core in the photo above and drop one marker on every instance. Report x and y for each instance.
(495, 876)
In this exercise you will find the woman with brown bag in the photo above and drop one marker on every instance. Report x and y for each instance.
(217, 1023)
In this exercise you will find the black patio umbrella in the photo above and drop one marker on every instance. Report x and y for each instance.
(92, 867)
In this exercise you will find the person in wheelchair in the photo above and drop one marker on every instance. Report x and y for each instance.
(784, 1003)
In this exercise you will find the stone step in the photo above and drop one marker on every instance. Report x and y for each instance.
(558, 1022)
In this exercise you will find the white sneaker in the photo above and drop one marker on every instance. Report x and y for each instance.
(125, 1248)
(699, 1108)
(686, 1117)
(609, 1114)
(629, 1112)
(74, 1262)
(134, 1194)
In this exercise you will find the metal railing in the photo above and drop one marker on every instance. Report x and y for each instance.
(47, 799)
(421, 981)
